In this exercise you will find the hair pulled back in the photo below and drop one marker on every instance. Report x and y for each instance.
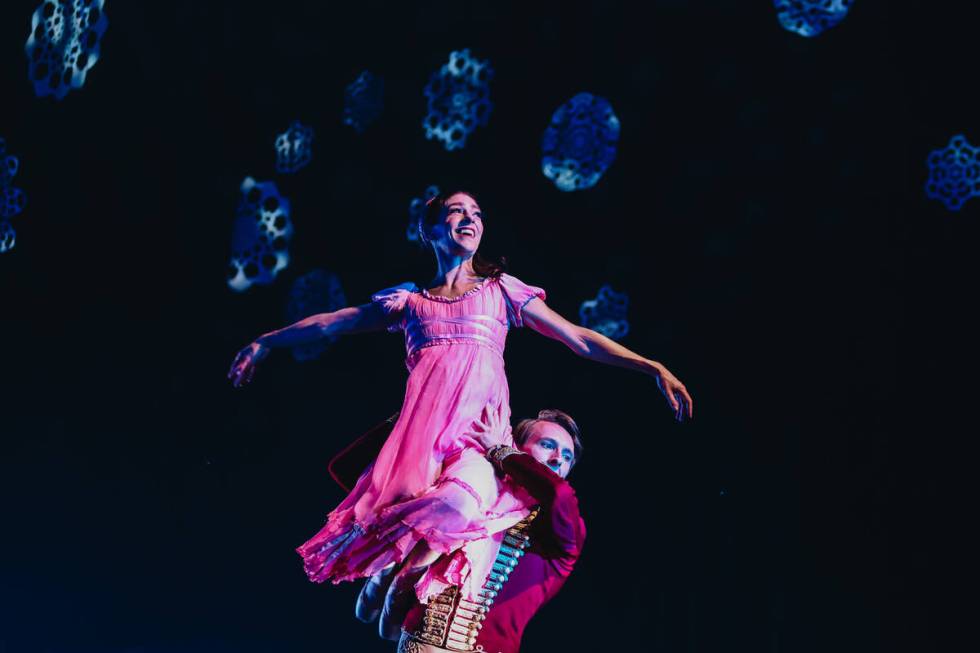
(432, 215)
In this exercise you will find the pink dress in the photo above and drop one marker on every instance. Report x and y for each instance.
(429, 481)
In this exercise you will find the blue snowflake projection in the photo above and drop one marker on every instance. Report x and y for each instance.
(580, 143)
(64, 44)
(260, 238)
(459, 99)
(12, 200)
(8, 237)
(315, 292)
(606, 314)
(415, 210)
(363, 101)
(811, 17)
(294, 148)
(954, 173)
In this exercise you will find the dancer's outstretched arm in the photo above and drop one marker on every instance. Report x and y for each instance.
(597, 347)
(353, 319)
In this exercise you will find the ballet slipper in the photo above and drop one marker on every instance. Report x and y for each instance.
(372, 596)
(398, 601)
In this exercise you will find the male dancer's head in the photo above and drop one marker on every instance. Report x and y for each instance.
(552, 438)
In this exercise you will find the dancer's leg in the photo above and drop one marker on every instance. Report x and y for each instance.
(419, 557)
(464, 491)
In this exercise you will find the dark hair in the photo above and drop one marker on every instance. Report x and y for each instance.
(555, 416)
(483, 267)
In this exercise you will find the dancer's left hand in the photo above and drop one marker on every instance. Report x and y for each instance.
(677, 395)
(491, 429)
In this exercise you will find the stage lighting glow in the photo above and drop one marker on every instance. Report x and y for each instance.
(580, 143)
(12, 200)
(315, 292)
(260, 238)
(415, 209)
(64, 44)
(811, 17)
(606, 314)
(363, 101)
(294, 148)
(954, 173)
(459, 99)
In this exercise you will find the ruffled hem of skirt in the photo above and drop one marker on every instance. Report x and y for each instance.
(345, 549)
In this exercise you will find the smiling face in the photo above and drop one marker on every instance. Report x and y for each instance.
(459, 229)
(550, 445)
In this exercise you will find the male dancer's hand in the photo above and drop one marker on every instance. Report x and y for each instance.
(243, 367)
(491, 429)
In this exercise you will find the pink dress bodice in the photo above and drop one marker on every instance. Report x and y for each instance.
(479, 317)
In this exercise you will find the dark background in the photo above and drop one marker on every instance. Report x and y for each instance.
(765, 213)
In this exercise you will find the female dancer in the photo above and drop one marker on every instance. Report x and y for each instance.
(431, 491)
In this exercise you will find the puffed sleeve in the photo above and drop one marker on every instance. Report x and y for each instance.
(392, 301)
(518, 294)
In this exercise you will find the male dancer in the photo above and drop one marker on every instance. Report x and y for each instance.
(536, 557)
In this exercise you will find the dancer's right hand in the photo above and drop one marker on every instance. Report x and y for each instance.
(243, 367)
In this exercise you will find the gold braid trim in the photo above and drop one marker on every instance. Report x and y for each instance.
(454, 623)
(496, 454)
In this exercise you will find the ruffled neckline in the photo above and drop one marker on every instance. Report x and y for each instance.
(449, 300)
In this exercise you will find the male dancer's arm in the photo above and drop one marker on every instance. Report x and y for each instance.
(348, 465)
(562, 542)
